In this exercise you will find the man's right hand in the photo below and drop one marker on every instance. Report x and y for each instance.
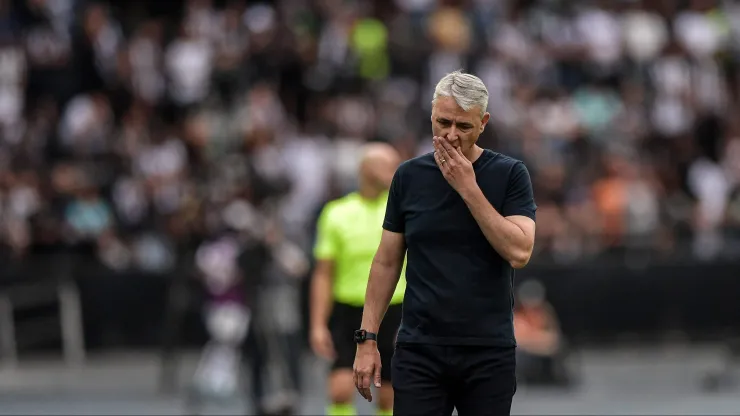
(321, 343)
(367, 368)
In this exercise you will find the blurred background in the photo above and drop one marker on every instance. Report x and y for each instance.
(162, 159)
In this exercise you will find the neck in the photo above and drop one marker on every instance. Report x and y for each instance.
(473, 153)
(369, 192)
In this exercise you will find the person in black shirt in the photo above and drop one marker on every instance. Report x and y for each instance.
(465, 219)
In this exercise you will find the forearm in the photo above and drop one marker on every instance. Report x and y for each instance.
(380, 287)
(321, 300)
(509, 241)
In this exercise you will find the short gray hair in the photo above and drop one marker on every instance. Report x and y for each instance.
(467, 90)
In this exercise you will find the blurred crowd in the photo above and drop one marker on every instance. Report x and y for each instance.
(141, 129)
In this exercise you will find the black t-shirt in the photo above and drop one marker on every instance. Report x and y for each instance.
(459, 289)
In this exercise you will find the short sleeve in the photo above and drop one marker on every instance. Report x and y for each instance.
(393, 214)
(327, 243)
(519, 195)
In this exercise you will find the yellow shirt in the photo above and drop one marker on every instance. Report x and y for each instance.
(348, 233)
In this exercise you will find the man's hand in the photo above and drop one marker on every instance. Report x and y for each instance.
(367, 368)
(321, 343)
(456, 168)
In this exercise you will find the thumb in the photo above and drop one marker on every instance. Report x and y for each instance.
(377, 375)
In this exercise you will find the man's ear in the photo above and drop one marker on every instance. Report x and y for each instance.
(484, 121)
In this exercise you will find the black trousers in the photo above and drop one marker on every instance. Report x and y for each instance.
(432, 380)
(346, 319)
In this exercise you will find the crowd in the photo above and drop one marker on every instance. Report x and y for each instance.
(143, 128)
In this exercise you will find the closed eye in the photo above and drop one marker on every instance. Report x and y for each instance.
(462, 126)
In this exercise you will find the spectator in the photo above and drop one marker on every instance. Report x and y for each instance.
(541, 348)
(134, 127)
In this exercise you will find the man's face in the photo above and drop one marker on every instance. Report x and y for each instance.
(461, 128)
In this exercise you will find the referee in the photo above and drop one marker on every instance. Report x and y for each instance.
(349, 231)
(465, 219)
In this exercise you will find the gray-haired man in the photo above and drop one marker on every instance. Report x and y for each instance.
(465, 218)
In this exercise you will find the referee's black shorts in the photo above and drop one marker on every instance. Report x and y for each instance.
(433, 379)
(345, 319)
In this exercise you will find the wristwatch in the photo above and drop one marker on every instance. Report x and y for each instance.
(361, 336)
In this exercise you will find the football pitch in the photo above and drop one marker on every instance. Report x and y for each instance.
(628, 381)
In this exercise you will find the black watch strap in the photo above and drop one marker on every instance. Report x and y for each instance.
(361, 336)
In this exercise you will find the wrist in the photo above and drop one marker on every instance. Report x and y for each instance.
(362, 336)
(368, 344)
(471, 192)
(318, 326)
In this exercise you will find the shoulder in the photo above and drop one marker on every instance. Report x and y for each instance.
(416, 165)
(501, 163)
(500, 160)
(411, 170)
(418, 162)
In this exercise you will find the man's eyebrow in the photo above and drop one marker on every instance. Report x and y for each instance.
(463, 124)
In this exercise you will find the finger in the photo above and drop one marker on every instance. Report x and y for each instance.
(449, 149)
(437, 147)
(328, 354)
(330, 348)
(355, 380)
(366, 381)
(452, 154)
(438, 159)
(441, 163)
(437, 154)
(448, 155)
(459, 152)
(316, 346)
(367, 394)
(377, 375)
(363, 389)
(324, 350)
(439, 143)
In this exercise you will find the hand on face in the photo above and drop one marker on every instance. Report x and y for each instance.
(456, 168)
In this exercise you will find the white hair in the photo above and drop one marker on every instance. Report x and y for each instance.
(467, 90)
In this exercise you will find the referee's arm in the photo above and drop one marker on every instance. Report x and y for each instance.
(322, 281)
(321, 293)
(384, 275)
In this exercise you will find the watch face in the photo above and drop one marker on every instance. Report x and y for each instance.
(360, 335)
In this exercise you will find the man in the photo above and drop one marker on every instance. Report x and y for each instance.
(349, 231)
(541, 349)
(464, 218)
